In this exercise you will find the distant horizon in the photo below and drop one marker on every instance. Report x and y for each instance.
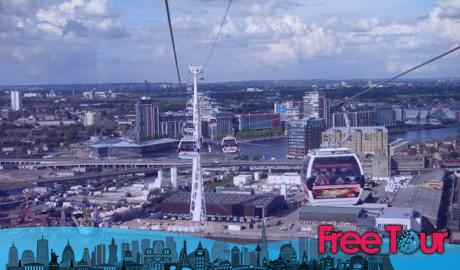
(239, 81)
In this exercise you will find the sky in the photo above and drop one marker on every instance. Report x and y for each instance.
(110, 41)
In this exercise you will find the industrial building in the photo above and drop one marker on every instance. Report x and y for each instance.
(428, 194)
(225, 205)
(403, 164)
(125, 147)
(408, 218)
(285, 178)
(376, 166)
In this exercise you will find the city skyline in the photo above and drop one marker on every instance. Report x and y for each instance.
(100, 41)
(162, 254)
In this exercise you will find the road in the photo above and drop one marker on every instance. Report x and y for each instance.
(144, 163)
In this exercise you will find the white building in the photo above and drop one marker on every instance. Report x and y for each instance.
(92, 119)
(311, 104)
(286, 178)
(16, 101)
(241, 180)
(406, 217)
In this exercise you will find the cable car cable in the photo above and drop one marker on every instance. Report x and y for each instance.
(218, 34)
(173, 45)
(396, 77)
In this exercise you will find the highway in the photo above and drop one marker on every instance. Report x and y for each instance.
(145, 163)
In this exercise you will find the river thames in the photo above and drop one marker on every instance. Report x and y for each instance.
(277, 148)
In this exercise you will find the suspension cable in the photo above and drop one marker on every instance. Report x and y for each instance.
(218, 34)
(173, 45)
(341, 103)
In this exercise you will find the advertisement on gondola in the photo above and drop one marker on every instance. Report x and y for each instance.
(336, 192)
(335, 177)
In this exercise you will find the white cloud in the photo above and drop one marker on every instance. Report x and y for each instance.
(92, 15)
(288, 40)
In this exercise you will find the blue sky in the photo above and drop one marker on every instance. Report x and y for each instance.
(98, 41)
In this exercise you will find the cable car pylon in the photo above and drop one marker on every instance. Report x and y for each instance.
(197, 200)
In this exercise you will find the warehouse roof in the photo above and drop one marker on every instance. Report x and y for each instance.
(437, 175)
(424, 200)
(258, 200)
(126, 142)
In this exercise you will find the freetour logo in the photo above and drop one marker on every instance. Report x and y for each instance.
(371, 242)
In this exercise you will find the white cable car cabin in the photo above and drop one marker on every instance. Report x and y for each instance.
(188, 149)
(332, 176)
(229, 145)
(189, 106)
(189, 88)
(212, 122)
(189, 127)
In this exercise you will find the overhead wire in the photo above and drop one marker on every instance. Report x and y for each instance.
(218, 34)
(341, 103)
(173, 45)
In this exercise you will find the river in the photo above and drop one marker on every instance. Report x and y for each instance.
(277, 148)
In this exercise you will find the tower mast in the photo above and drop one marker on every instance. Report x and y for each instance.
(197, 201)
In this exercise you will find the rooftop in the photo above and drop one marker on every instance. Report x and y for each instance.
(399, 143)
(362, 128)
(396, 212)
(258, 200)
(127, 142)
(424, 200)
(437, 175)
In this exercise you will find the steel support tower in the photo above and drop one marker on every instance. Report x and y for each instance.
(197, 201)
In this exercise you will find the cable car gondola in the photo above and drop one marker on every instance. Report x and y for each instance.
(332, 176)
(188, 149)
(189, 106)
(189, 127)
(229, 145)
(189, 88)
(212, 122)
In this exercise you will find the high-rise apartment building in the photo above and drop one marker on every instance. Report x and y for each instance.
(316, 105)
(16, 101)
(304, 135)
(311, 104)
(92, 119)
(362, 140)
(147, 120)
